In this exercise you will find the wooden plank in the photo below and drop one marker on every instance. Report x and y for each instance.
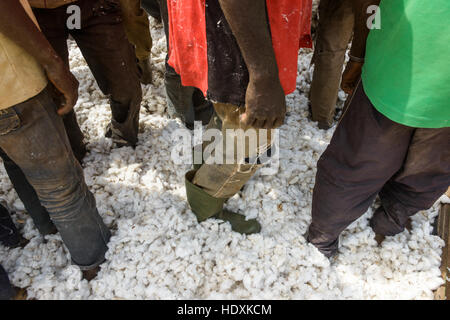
(443, 293)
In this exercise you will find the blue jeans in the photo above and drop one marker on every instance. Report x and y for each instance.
(33, 136)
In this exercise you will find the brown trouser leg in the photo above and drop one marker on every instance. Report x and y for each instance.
(334, 33)
(111, 58)
(225, 180)
(137, 27)
(368, 155)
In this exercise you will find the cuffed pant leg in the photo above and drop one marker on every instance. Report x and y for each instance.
(33, 136)
(423, 178)
(335, 30)
(366, 150)
(225, 180)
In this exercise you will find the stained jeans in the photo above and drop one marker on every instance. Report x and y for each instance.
(28, 196)
(110, 56)
(186, 103)
(370, 155)
(33, 136)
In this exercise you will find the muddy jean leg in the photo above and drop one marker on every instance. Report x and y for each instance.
(28, 196)
(366, 150)
(225, 180)
(334, 33)
(111, 58)
(33, 136)
(423, 178)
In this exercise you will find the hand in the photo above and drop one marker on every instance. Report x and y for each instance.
(65, 82)
(351, 76)
(265, 104)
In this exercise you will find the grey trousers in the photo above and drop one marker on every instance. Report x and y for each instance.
(370, 155)
(33, 136)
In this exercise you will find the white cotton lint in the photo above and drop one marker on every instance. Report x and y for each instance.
(159, 251)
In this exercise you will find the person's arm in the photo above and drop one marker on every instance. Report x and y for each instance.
(265, 99)
(354, 66)
(17, 25)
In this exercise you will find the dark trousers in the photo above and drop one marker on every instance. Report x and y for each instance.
(370, 155)
(9, 235)
(335, 30)
(28, 196)
(110, 56)
(33, 136)
(6, 291)
(187, 103)
(153, 8)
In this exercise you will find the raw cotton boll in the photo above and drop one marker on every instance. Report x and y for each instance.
(158, 250)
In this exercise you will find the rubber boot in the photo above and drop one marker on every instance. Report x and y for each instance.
(206, 206)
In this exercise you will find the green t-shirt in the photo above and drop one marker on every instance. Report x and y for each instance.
(406, 74)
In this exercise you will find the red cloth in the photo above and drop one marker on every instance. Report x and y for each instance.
(290, 20)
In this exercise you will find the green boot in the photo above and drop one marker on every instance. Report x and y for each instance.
(206, 206)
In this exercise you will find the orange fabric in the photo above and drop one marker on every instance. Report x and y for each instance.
(187, 42)
(290, 23)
